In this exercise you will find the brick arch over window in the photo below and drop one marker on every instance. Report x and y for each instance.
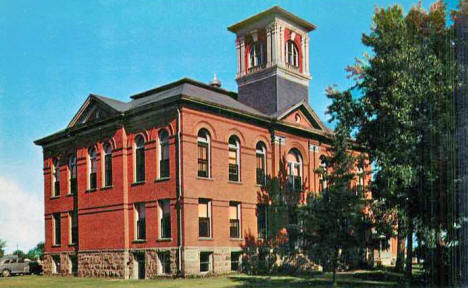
(263, 139)
(235, 132)
(131, 140)
(302, 151)
(208, 127)
(111, 142)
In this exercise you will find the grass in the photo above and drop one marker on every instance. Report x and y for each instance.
(345, 279)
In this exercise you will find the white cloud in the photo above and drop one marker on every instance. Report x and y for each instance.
(21, 215)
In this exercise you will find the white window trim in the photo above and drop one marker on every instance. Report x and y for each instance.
(160, 145)
(161, 215)
(237, 148)
(208, 142)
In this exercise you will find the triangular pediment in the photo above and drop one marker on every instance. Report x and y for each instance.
(93, 109)
(302, 115)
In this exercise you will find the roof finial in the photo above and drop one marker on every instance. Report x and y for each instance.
(215, 82)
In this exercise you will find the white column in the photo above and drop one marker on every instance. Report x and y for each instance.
(307, 53)
(281, 46)
(242, 56)
(269, 32)
(238, 51)
(303, 54)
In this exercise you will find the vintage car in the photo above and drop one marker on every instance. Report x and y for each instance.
(11, 265)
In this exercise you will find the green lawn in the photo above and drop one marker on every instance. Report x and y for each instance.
(237, 280)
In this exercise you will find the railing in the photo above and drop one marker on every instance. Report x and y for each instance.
(233, 172)
(260, 176)
(164, 168)
(204, 227)
(166, 227)
(56, 188)
(141, 229)
(202, 168)
(92, 180)
(234, 228)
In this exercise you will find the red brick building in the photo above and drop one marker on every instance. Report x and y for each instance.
(167, 183)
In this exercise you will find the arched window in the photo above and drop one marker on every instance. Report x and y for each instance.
(234, 159)
(323, 176)
(107, 164)
(256, 54)
(292, 54)
(56, 177)
(92, 166)
(72, 175)
(203, 153)
(139, 159)
(294, 160)
(163, 154)
(261, 163)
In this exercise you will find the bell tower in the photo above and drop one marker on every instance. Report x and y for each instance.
(272, 60)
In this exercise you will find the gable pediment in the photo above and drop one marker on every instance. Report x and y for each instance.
(302, 115)
(92, 110)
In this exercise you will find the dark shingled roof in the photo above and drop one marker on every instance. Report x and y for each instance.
(185, 88)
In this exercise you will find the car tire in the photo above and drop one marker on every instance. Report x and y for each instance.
(6, 273)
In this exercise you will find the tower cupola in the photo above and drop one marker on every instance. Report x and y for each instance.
(272, 60)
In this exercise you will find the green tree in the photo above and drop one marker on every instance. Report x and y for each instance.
(332, 219)
(19, 253)
(2, 247)
(37, 252)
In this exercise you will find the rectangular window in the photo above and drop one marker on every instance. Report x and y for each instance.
(56, 178)
(165, 263)
(233, 165)
(235, 261)
(164, 162)
(234, 220)
(260, 169)
(204, 218)
(202, 159)
(206, 262)
(261, 221)
(73, 265)
(294, 177)
(57, 232)
(140, 221)
(165, 219)
(108, 170)
(140, 164)
(73, 228)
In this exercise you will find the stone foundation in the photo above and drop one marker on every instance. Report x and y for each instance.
(64, 267)
(221, 260)
(120, 263)
(103, 264)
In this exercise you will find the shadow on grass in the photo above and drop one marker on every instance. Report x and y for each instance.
(299, 282)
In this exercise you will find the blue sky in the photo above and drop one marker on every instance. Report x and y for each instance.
(54, 53)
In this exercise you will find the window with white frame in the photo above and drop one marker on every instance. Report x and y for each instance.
(72, 174)
(203, 154)
(261, 163)
(292, 53)
(140, 221)
(234, 220)
(139, 159)
(92, 168)
(204, 218)
(234, 159)
(165, 219)
(164, 263)
(163, 154)
(206, 262)
(56, 177)
(256, 53)
(107, 177)
(294, 160)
